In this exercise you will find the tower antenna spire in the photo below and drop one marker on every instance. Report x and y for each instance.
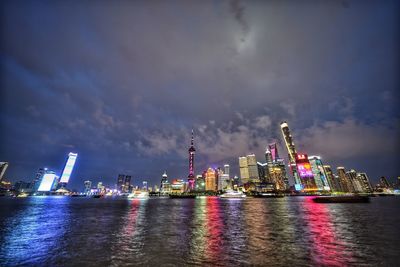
(192, 141)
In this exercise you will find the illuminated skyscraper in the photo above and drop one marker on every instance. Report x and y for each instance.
(244, 170)
(248, 169)
(333, 182)
(165, 187)
(305, 173)
(223, 180)
(268, 156)
(262, 171)
(200, 183)
(345, 182)
(318, 170)
(252, 166)
(273, 148)
(276, 169)
(277, 174)
(38, 178)
(291, 153)
(352, 176)
(69, 166)
(164, 179)
(192, 151)
(364, 180)
(211, 180)
(48, 181)
(3, 168)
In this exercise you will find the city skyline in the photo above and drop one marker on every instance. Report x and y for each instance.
(102, 86)
(273, 171)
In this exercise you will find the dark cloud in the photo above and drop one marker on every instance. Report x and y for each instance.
(123, 84)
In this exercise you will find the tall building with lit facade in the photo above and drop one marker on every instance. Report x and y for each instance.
(287, 136)
(352, 176)
(48, 181)
(268, 157)
(68, 168)
(248, 169)
(273, 148)
(305, 173)
(165, 187)
(211, 180)
(320, 176)
(200, 183)
(38, 178)
(276, 169)
(345, 182)
(333, 182)
(164, 179)
(252, 166)
(191, 178)
(244, 170)
(262, 171)
(223, 181)
(278, 175)
(3, 168)
(364, 181)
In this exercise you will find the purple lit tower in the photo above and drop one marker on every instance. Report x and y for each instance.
(274, 151)
(191, 164)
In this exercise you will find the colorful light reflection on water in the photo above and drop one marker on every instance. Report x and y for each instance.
(204, 231)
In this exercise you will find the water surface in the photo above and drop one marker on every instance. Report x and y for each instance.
(64, 231)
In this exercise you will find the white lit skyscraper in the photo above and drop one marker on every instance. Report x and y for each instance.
(69, 166)
(48, 180)
(287, 136)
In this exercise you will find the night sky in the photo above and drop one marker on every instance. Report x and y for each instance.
(122, 83)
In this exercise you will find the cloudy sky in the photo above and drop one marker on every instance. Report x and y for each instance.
(123, 83)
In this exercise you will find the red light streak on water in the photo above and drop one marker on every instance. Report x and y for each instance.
(327, 249)
(214, 227)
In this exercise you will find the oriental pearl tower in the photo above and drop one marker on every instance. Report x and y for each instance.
(192, 150)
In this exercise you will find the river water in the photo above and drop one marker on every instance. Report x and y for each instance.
(291, 231)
